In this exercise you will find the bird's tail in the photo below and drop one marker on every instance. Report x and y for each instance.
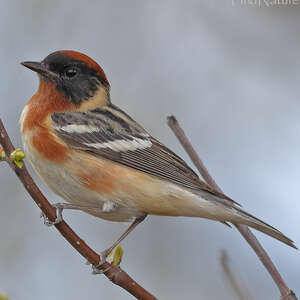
(242, 217)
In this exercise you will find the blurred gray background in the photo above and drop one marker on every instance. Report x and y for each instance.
(230, 73)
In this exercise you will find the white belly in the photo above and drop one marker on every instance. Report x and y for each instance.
(71, 189)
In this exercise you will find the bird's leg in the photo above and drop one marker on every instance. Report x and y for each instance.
(59, 209)
(136, 222)
(106, 252)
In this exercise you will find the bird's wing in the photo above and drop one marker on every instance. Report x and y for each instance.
(111, 133)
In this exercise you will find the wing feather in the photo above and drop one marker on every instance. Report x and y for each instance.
(112, 134)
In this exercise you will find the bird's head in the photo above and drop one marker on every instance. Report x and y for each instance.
(75, 75)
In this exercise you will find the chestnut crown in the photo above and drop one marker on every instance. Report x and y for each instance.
(76, 75)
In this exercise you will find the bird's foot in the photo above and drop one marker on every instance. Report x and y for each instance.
(95, 268)
(59, 209)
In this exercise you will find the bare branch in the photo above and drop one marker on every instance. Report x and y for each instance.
(234, 281)
(112, 272)
(285, 292)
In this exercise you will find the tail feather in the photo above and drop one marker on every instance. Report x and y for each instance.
(251, 221)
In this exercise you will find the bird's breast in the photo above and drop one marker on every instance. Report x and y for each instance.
(37, 132)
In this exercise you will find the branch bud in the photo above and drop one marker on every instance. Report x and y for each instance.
(2, 296)
(17, 156)
(115, 257)
(2, 154)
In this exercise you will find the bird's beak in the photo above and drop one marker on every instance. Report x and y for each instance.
(38, 67)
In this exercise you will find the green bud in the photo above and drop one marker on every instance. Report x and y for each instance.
(17, 156)
(3, 297)
(2, 154)
(115, 257)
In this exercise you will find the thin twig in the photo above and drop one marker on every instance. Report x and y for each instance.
(285, 292)
(234, 281)
(113, 273)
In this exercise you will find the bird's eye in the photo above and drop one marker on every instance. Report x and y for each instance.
(70, 72)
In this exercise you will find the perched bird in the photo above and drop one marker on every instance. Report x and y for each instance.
(97, 158)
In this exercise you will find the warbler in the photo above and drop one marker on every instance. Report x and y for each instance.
(101, 161)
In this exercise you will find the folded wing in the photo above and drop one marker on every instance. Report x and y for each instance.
(111, 133)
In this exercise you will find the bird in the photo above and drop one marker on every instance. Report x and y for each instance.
(101, 161)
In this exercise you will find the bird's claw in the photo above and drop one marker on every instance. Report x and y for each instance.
(95, 268)
(59, 208)
(97, 271)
